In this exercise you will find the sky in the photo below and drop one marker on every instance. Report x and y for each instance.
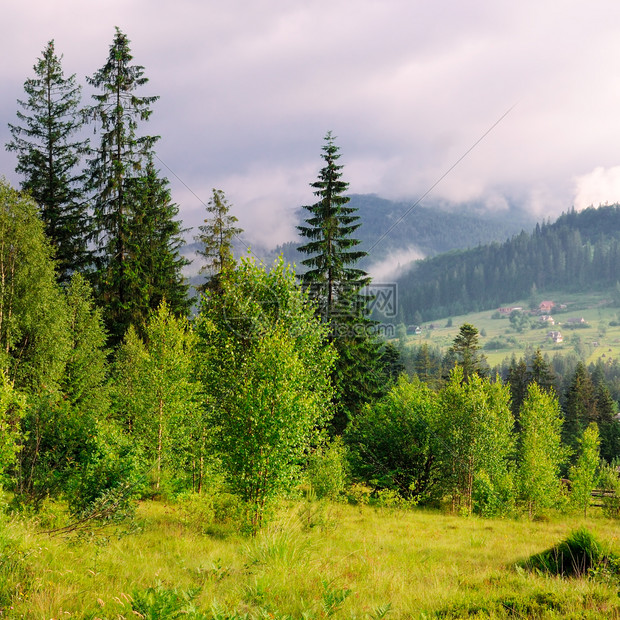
(488, 101)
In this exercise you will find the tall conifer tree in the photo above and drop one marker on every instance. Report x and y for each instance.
(155, 264)
(138, 263)
(580, 407)
(335, 284)
(333, 279)
(48, 154)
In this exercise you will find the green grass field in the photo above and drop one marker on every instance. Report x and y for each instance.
(598, 339)
(313, 560)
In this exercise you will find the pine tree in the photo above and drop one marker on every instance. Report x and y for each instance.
(216, 239)
(580, 407)
(541, 372)
(466, 348)
(48, 157)
(154, 263)
(113, 171)
(335, 284)
(333, 280)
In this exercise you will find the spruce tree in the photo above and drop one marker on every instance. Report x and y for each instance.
(542, 373)
(333, 279)
(335, 285)
(216, 239)
(48, 155)
(154, 262)
(133, 215)
(580, 407)
(465, 347)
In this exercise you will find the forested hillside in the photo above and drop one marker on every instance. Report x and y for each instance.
(389, 227)
(580, 251)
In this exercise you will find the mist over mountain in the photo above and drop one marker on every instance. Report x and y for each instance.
(396, 232)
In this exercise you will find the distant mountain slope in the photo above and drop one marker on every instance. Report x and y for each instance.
(580, 251)
(389, 227)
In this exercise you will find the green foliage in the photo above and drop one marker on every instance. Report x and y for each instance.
(333, 599)
(265, 365)
(156, 394)
(154, 263)
(109, 479)
(475, 426)
(584, 474)
(328, 229)
(85, 377)
(578, 252)
(11, 411)
(33, 323)
(609, 481)
(327, 469)
(56, 443)
(215, 507)
(392, 443)
(540, 450)
(47, 158)
(580, 407)
(334, 283)
(576, 556)
(157, 603)
(465, 349)
(16, 573)
(117, 187)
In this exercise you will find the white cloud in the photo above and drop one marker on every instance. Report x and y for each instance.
(601, 186)
(393, 265)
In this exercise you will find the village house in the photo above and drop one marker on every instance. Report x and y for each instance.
(555, 336)
(545, 307)
(546, 318)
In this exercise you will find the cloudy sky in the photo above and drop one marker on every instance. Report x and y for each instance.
(250, 87)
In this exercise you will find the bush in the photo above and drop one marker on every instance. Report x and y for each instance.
(111, 472)
(213, 507)
(359, 494)
(327, 470)
(392, 444)
(494, 344)
(576, 556)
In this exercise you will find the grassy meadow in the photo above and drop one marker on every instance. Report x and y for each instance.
(313, 560)
(598, 338)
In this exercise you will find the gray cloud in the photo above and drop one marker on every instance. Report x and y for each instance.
(248, 90)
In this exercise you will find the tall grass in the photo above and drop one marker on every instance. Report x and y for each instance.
(364, 563)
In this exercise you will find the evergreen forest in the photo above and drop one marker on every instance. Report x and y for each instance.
(578, 252)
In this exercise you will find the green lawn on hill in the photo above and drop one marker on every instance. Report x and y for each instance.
(597, 340)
